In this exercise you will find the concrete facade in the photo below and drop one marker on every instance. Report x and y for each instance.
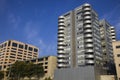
(49, 64)
(107, 49)
(107, 77)
(80, 73)
(79, 45)
(12, 51)
(116, 51)
(79, 41)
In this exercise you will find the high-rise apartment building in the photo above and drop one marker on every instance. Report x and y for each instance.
(113, 33)
(79, 44)
(49, 64)
(79, 41)
(11, 51)
(116, 51)
(107, 50)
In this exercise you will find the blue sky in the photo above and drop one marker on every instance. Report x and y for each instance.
(35, 21)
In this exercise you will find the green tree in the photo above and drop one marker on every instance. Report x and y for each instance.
(48, 78)
(16, 70)
(1, 75)
(21, 69)
(29, 70)
(34, 70)
(38, 70)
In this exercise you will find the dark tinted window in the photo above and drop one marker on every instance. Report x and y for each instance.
(20, 46)
(26, 46)
(9, 43)
(30, 48)
(46, 67)
(14, 44)
(118, 46)
(41, 59)
(118, 55)
(5, 44)
(36, 50)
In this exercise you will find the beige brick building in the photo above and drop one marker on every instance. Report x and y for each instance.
(49, 64)
(11, 51)
(116, 51)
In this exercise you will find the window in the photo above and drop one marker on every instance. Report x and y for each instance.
(20, 46)
(118, 55)
(41, 59)
(45, 71)
(26, 46)
(9, 43)
(30, 48)
(46, 62)
(46, 67)
(14, 44)
(118, 46)
(46, 58)
(36, 50)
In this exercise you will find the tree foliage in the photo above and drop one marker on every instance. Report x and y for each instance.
(21, 69)
(48, 78)
(1, 75)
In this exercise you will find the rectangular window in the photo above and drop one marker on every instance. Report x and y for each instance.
(36, 50)
(20, 46)
(14, 44)
(26, 46)
(9, 43)
(41, 59)
(46, 67)
(118, 46)
(45, 71)
(118, 55)
(30, 48)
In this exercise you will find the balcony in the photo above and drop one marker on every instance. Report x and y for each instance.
(88, 30)
(89, 45)
(61, 27)
(61, 60)
(61, 51)
(60, 35)
(87, 17)
(61, 24)
(88, 35)
(60, 65)
(61, 20)
(61, 31)
(88, 26)
(87, 9)
(89, 56)
(86, 4)
(89, 50)
(61, 56)
(61, 17)
(87, 21)
(60, 39)
(60, 47)
(88, 40)
(87, 13)
(60, 43)
(90, 61)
